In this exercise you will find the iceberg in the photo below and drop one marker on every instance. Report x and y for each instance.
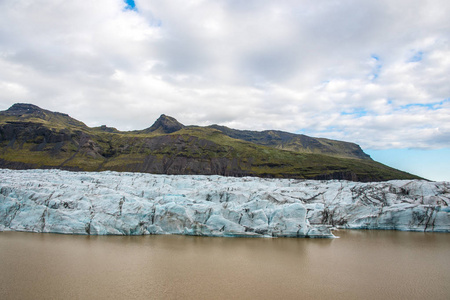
(113, 203)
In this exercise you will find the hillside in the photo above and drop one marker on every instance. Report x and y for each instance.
(31, 137)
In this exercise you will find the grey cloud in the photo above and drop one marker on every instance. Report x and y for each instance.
(439, 139)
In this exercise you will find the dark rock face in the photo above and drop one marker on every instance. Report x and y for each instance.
(165, 124)
(24, 112)
(22, 108)
(105, 128)
(52, 141)
(179, 165)
(28, 131)
(15, 165)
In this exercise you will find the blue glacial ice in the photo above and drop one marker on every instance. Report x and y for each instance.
(135, 204)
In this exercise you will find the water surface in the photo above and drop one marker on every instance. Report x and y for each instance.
(358, 265)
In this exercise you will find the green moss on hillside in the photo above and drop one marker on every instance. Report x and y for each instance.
(34, 138)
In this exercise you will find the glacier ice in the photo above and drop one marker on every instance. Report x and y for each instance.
(135, 204)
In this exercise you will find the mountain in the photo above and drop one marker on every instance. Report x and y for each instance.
(29, 113)
(165, 124)
(31, 137)
(296, 142)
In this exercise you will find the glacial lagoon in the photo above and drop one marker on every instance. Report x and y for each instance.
(360, 264)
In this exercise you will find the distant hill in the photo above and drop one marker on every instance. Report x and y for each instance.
(32, 137)
(296, 142)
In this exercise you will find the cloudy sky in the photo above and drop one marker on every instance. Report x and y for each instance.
(373, 72)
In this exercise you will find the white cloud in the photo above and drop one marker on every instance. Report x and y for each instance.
(343, 69)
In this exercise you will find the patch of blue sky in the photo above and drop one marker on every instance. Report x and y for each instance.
(130, 5)
(355, 112)
(156, 23)
(301, 131)
(430, 106)
(377, 68)
(418, 56)
(431, 164)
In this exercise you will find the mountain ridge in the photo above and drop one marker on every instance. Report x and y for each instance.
(294, 142)
(31, 137)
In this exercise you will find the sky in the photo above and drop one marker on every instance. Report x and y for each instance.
(373, 72)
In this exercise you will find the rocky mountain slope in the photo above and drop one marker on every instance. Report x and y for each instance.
(296, 142)
(31, 137)
(135, 204)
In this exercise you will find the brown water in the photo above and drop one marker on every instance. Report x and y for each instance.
(359, 265)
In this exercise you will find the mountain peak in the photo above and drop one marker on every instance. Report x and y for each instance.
(165, 124)
(30, 112)
(23, 108)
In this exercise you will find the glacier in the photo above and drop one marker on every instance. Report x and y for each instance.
(112, 203)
